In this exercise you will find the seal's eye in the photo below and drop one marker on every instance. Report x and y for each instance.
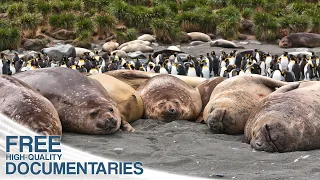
(111, 109)
(177, 102)
(161, 104)
(94, 114)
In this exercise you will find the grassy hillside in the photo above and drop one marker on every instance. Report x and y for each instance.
(167, 19)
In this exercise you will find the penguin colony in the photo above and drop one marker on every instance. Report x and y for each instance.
(286, 67)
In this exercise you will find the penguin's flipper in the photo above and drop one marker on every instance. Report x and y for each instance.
(286, 88)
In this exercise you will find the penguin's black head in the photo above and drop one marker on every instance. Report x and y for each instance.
(255, 50)
(213, 53)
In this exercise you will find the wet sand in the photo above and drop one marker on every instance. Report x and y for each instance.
(189, 148)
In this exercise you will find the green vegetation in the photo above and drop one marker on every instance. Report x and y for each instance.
(128, 35)
(64, 20)
(168, 19)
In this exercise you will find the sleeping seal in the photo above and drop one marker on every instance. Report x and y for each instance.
(135, 78)
(129, 101)
(168, 98)
(287, 120)
(225, 44)
(232, 101)
(28, 107)
(84, 106)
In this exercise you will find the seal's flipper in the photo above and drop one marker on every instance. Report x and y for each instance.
(287, 88)
(271, 83)
(125, 126)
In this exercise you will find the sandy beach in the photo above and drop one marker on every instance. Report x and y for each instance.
(190, 148)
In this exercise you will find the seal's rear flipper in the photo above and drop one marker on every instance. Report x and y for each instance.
(287, 88)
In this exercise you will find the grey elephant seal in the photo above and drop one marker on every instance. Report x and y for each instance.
(84, 106)
(224, 43)
(232, 101)
(309, 40)
(287, 120)
(27, 107)
(167, 98)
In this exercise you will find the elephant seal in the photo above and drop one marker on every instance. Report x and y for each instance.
(28, 107)
(110, 46)
(167, 98)
(137, 47)
(84, 106)
(129, 101)
(232, 101)
(147, 37)
(135, 78)
(225, 44)
(206, 87)
(287, 120)
(309, 40)
(198, 36)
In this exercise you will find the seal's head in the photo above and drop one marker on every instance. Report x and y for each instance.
(270, 134)
(95, 115)
(228, 112)
(285, 42)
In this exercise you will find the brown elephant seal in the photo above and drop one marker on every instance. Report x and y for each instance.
(84, 106)
(232, 101)
(28, 107)
(206, 87)
(287, 120)
(168, 98)
(135, 78)
(309, 40)
(129, 101)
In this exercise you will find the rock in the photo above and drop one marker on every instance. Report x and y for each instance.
(243, 42)
(64, 34)
(246, 25)
(82, 44)
(303, 50)
(80, 51)
(155, 44)
(255, 42)
(5, 51)
(146, 31)
(242, 37)
(173, 48)
(212, 36)
(198, 36)
(120, 53)
(195, 43)
(137, 47)
(146, 43)
(58, 51)
(110, 46)
(121, 28)
(147, 37)
(35, 44)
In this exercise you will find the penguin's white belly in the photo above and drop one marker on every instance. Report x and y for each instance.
(12, 69)
(174, 70)
(206, 73)
(263, 68)
(222, 71)
(93, 71)
(163, 71)
(192, 73)
(277, 75)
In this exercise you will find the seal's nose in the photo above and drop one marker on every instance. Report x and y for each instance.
(171, 111)
(110, 122)
(258, 144)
